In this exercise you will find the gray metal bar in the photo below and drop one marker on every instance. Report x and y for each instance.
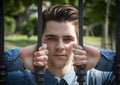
(39, 70)
(117, 60)
(3, 72)
(81, 69)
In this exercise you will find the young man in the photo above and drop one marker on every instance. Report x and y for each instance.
(59, 54)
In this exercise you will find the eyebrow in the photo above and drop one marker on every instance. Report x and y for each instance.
(68, 36)
(51, 35)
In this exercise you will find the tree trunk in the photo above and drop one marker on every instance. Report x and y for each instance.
(113, 40)
(105, 28)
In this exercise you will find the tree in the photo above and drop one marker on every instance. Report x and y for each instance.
(15, 8)
(106, 24)
(98, 12)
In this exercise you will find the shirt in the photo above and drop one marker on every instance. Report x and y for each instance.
(17, 75)
(70, 78)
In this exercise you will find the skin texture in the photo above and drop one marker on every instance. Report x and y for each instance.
(59, 37)
(60, 49)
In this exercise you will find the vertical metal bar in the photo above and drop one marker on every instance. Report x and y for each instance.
(39, 70)
(2, 63)
(80, 8)
(81, 69)
(117, 60)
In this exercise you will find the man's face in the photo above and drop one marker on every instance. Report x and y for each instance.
(59, 37)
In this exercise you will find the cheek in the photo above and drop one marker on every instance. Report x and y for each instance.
(50, 48)
(69, 48)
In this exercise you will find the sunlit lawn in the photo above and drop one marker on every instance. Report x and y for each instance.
(19, 41)
(95, 41)
(23, 40)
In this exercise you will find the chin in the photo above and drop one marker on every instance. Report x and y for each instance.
(59, 64)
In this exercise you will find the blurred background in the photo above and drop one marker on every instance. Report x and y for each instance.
(20, 22)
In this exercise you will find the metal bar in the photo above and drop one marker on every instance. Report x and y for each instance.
(81, 69)
(39, 70)
(2, 62)
(117, 60)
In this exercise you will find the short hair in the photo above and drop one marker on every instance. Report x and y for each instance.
(61, 13)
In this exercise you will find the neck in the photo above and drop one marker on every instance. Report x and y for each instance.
(59, 72)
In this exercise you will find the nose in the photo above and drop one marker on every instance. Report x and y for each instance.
(60, 45)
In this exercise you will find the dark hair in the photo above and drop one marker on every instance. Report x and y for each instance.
(61, 13)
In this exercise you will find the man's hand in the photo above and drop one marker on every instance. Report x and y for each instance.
(87, 55)
(40, 57)
(32, 57)
(80, 56)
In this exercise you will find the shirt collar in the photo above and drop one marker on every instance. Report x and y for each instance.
(70, 77)
(51, 79)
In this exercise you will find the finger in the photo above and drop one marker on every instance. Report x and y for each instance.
(40, 53)
(79, 52)
(41, 58)
(76, 46)
(83, 62)
(40, 63)
(80, 57)
(43, 47)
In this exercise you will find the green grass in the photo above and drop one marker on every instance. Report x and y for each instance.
(95, 41)
(22, 41)
(19, 41)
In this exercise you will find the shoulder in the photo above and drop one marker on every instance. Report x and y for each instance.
(12, 60)
(100, 77)
(20, 78)
(108, 54)
(106, 61)
(11, 54)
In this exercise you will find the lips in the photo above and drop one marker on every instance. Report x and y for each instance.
(60, 55)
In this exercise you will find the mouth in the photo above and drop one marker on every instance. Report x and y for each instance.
(60, 55)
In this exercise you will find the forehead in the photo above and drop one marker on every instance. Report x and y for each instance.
(60, 28)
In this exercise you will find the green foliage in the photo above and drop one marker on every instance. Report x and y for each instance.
(72, 2)
(15, 7)
(25, 28)
(34, 23)
(97, 29)
(112, 13)
(95, 11)
(30, 26)
(9, 25)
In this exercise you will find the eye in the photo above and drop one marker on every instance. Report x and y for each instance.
(68, 40)
(51, 39)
